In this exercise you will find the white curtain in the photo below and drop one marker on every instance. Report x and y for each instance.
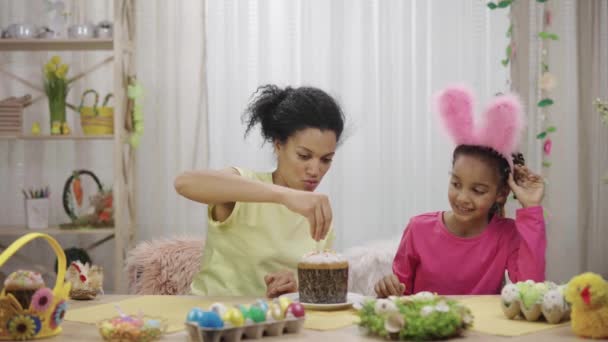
(575, 196)
(171, 64)
(382, 60)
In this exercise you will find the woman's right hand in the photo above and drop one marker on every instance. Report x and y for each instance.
(314, 206)
(389, 286)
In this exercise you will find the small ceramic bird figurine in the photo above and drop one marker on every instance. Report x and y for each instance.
(36, 128)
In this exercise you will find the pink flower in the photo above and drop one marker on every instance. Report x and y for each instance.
(547, 146)
(42, 299)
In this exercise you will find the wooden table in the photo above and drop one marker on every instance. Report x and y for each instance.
(73, 331)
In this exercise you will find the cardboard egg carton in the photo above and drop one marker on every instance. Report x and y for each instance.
(251, 331)
(550, 304)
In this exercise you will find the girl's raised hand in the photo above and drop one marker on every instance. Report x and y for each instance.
(528, 187)
(314, 206)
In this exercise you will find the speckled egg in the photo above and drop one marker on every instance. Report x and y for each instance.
(384, 307)
(219, 308)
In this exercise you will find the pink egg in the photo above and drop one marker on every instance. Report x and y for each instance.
(296, 309)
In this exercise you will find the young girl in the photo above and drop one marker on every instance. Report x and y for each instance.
(262, 223)
(468, 249)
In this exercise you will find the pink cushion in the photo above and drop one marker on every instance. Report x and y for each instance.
(164, 266)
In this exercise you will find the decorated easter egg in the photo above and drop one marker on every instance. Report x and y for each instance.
(107, 328)
(152, 323)
(509, 293)
(274, 312)
(256, 314)
(262, 305)
(384, 307)
(244, 310)
(424, 295)
(194, 315)
(219, 308)
(284, 303)
(394, 322)
(210, 319)
(234, 317)
(295, 310)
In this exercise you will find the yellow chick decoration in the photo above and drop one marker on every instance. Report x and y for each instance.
(56, 128)
(588, 295)
(36, 128)
(65, 129)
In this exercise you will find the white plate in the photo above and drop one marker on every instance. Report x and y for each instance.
(352, 299)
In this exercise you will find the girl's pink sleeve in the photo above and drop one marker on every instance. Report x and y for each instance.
(406, 261)
(528, 247)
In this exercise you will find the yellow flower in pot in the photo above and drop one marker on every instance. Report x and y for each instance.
(56, 89)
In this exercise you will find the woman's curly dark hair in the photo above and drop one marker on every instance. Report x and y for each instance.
(495, 160)
(283, 112)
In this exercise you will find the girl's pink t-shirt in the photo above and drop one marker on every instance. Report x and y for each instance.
(431, 258)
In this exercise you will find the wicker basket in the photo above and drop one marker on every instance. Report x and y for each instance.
(96, 120)
(20, 323)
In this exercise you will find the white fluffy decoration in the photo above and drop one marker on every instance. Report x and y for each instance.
(369, 263)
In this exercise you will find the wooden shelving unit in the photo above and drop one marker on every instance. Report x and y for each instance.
(57, 137)
(122, 48)
(22, 230)
(56, 44)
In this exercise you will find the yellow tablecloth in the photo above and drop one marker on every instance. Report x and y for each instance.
(330, 320)
(175, 309)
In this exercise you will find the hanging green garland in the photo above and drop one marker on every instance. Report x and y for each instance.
(546, 80)
(602, 108)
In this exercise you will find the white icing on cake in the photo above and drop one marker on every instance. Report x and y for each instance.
(323, 258)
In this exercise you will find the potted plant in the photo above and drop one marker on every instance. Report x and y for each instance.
(56, 89)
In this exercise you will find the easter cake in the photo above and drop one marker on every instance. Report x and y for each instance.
(323, 278)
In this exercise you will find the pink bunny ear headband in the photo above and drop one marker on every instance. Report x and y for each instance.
(499, 129)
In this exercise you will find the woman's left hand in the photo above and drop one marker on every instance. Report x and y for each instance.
(280, 283)
(528, 187)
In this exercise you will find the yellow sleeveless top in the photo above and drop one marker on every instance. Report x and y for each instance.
(256, 239)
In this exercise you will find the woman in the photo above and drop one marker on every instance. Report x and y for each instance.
(261, 223)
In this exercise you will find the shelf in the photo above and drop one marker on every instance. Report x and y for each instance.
(58, 137)
(55, 44)
(22, 230)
